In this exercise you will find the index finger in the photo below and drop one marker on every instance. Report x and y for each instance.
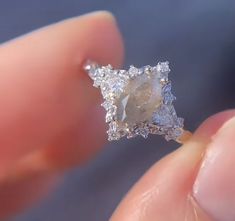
(45, 97)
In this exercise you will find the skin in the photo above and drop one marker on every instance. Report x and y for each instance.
(48, 106)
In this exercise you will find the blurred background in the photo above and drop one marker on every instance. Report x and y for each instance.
(197, 37)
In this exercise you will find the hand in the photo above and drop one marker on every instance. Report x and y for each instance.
(48, 113)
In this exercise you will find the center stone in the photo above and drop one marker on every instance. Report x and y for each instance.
(141, 98)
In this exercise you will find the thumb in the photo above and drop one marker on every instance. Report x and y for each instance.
(196, 182)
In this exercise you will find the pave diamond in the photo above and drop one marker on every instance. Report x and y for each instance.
(137, 101)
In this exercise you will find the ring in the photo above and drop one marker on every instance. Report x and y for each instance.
(138, 101)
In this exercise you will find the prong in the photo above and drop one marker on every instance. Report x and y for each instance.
(88, 65)
(184, 137)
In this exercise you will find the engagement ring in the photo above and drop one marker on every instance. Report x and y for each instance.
(138, 101)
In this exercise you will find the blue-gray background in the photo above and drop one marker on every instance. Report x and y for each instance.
(197, 37)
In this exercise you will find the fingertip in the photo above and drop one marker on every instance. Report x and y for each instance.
(214, 187)
(165, 192)
(48, 93)
(211, 125)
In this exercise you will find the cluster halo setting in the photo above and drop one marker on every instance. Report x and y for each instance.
(138, 101)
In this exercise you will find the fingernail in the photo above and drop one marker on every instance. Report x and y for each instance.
(214, 188)
(103, 13)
